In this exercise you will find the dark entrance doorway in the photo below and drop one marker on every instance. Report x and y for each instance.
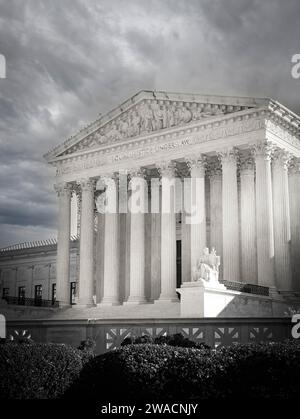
(178, 263)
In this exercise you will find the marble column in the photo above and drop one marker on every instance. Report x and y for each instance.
(155, 216)
(248, 220)
(264, 215)
(111, 246)
(230, 215)
(216, 229)
(78, 200)
(63, 244)
(99, 242)
(186, 271)
(196, 217)
(86, 261)
(138, 208)
(168, 234)
(282, 225)
(294, 192)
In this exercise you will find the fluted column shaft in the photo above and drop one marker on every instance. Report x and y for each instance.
(264, 216)
(63, 245)
(294, 192)
(230, 217)
(138, 208)
(196, 217)
(168, 234)
(248, 221)
(282, 226)
(216, 231)
(111, 246)
(86, 267)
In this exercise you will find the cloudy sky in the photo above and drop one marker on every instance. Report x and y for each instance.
(69, 60)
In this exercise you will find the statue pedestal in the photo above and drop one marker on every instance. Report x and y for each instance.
(202, 299)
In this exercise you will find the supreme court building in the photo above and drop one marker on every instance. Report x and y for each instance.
(244, 155)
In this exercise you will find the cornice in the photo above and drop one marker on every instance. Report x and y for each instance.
(245, 102)
(179, 137)
(170, 134)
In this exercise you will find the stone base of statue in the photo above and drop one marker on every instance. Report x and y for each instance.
(204, 295)
(202, 298)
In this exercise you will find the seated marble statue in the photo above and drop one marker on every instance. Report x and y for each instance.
(207, 267)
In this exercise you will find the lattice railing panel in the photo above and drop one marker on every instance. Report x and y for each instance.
(196, 334)
(115, 336)
(260, 334)
(224, 336)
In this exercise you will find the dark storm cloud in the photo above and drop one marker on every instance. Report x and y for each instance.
(68, 60)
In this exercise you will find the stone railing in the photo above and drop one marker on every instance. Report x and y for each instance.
(36, 302)
(249, 288)
(109, 334)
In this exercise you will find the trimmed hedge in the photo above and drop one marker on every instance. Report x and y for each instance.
(38, 371)
(176, 339)
(147, 372)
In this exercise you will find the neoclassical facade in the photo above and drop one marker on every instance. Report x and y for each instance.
(242, 156)
(28, 270)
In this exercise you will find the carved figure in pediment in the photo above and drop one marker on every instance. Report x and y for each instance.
(196, 111)
(123, 127)
(146, 115)
(170, 120)
(100, 137)
(185, 115)
(207, 110)
(164, 114)
(177, 115)
(216, 110)
(93, 140)
(113, 134)
(135, 124)
(158, 116)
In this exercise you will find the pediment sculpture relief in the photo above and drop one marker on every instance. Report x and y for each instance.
(148, 116)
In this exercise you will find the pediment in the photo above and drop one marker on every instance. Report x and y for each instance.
(148, 112)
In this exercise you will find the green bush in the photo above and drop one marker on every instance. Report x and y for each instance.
(38, 371)
(148, 372)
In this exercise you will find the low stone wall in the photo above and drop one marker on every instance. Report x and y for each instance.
(205, 299)
(109, 334)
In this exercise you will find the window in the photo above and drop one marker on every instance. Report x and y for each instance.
(21, 295)
(72, 292)
(38, 290)
(53, 293)
(5, 292)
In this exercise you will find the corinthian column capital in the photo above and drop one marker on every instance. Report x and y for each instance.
(87, 184)
(228, 155)
(63, 189)
(137, 172)
(246, 163)
(214, 168)
(281, 159)
(167, 169)
(263, 150)
(196, 162)
(294, 166)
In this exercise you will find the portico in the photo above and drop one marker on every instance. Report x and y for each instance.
(202, 171)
